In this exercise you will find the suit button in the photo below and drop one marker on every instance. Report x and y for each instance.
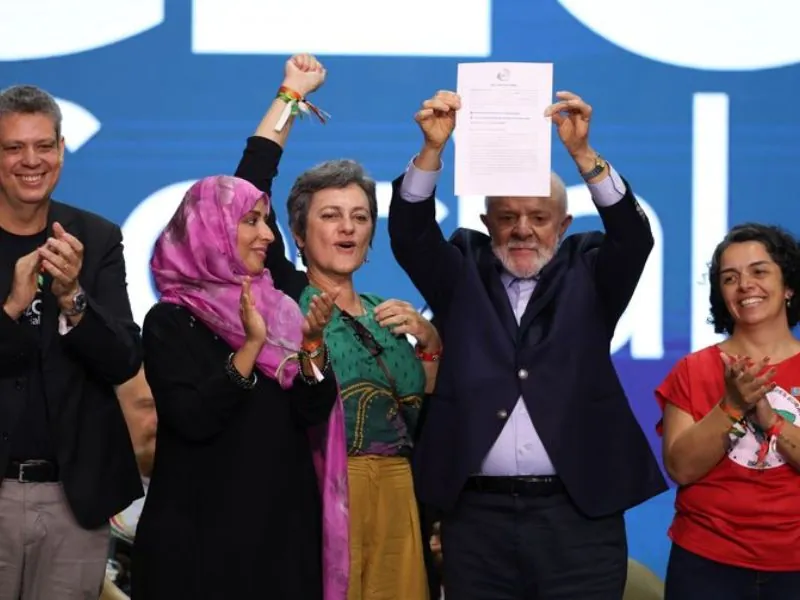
(502, 414)
(18, 384)
(522, 373)
(4, 435)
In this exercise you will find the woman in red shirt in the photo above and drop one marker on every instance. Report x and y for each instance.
(730, 430)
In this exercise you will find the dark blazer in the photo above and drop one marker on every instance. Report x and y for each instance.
(94, 451)
(557, 358)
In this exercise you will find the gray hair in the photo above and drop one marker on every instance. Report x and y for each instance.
(29, 99)
(335, 174)
(558, 193)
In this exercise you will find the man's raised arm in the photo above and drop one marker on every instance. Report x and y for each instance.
(417, 241)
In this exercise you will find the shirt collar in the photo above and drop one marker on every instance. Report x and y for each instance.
(507, 278)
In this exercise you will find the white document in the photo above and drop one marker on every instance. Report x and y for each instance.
(502, 137)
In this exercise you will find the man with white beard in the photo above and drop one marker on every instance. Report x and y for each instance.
(529, 449)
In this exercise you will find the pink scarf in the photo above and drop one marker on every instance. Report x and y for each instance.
(196, 264)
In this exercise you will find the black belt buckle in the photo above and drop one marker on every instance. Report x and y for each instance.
(22, 467)
(33, 466)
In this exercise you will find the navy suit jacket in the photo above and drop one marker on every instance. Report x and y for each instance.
(557, 358)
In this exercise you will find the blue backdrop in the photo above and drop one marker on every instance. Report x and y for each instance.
(698, 117)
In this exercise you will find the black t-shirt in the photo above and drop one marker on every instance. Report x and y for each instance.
(30, 438)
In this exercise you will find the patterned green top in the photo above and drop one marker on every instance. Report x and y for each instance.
(374, 424)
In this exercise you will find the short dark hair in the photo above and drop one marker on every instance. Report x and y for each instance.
(782, 247)
(29, 99)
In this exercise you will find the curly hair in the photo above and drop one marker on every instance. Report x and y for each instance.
(782, 247)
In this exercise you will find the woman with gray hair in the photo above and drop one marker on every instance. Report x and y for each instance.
(383, 378)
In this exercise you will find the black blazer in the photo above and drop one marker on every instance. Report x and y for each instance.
(79, 372)
(557, 358)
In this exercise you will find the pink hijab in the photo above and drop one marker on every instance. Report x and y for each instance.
(196, 264)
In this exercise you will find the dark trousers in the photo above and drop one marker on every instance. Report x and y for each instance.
(692, 577)
(506, 547)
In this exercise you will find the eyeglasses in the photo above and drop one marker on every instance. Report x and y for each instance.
(363, 334)
(372, 346)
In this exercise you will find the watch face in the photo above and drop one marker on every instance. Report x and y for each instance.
(80, 301)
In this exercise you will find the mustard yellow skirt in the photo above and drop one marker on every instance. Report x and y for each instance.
(386, 561)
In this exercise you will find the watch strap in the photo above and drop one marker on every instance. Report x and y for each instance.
(599, 166)
(78, 305)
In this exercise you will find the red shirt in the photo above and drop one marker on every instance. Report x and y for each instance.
(738, 514)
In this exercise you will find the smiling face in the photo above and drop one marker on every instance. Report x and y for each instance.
(525, 232)
(338, 230)
(30, 158)
(254, 236)
(752, 284)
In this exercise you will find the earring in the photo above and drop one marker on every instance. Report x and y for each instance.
(300, 252)
(366, 259)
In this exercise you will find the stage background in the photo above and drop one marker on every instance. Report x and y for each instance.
(694, 102)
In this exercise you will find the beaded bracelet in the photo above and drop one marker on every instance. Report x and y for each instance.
(246, 383)
(326, 367)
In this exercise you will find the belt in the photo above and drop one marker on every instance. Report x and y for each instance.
(32, 471)
(516, 486)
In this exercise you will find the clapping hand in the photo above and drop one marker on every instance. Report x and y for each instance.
(402, 318)
(746, 383)
(24, 286)
(62, 258)
(319, 314)
(255, 328)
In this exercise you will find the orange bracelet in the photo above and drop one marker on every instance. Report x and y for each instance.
(285, 91)
(734, 415)
(309, 347)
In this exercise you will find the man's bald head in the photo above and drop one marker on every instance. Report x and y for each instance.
(558, 194)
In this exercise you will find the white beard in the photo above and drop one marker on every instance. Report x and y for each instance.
(543, 256)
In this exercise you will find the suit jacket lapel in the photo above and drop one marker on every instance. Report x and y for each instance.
(490, 274)
(544, 292)
(63, 215)
(6, 278)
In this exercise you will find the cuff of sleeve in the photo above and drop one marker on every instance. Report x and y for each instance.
(609, 191)
(419, 185)
(64, 326)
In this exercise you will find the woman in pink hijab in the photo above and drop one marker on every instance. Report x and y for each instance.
(247, 408)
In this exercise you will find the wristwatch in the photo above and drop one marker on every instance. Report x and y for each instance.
(599, 165)
(78, 305)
